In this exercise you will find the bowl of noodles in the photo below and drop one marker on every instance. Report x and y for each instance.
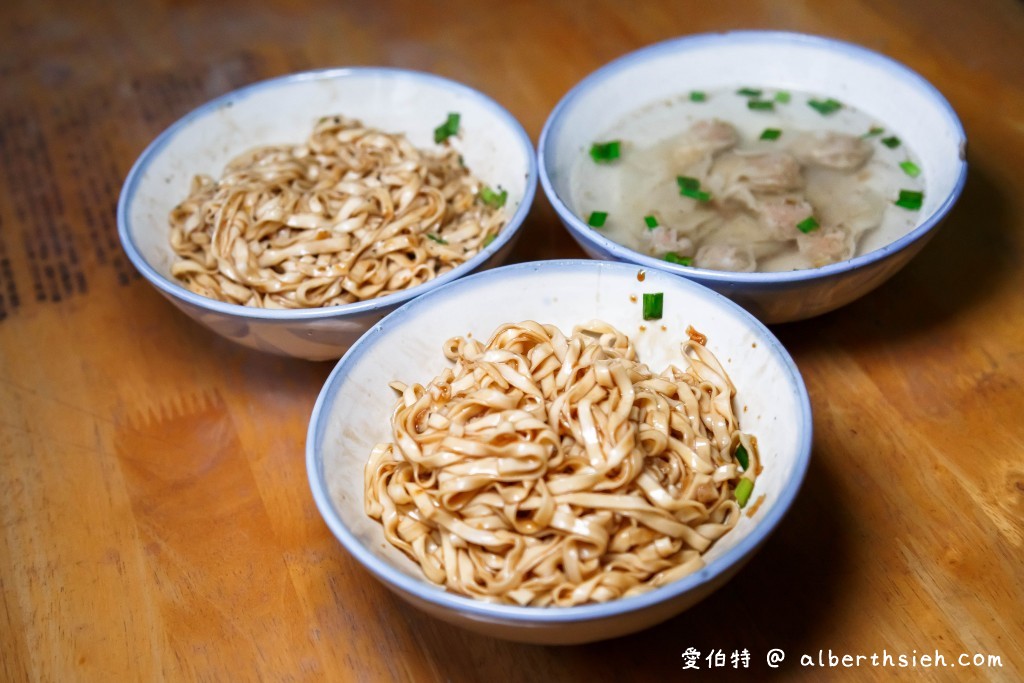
(292, 214)
(792, 173)
(562, 451)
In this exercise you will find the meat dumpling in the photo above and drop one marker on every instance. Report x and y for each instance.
(826, 245)
(663, 239)
(778, 215)
(735, 174)
(830, 149)
(738, 258)
(703, 140)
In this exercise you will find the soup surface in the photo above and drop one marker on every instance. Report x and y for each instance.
(749, 179)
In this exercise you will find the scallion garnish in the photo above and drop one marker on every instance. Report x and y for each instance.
(493, 199)
(447, 129)
(892, 142)
(687, 183)
(910, 168)
(741, 457)
(873, 131)
(437, 238)
(597, 219)
(770, 134)
(910, 199)
(651, 222)
(605, 152)
(825, 107)
(743, 491)
(749, 92)
(761, 105)
(809, 224)
(673, 257)
(782, 97)
(698, 96)
(653, 304)
(490, 238)
(690, 187)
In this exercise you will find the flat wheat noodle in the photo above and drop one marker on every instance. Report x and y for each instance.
(351, 214)
(546, 470)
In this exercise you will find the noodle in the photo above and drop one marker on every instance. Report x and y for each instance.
(352, 214)
(549, 470)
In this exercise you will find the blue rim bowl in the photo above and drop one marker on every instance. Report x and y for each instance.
(283, 109)
(353, 411)
(872, 82)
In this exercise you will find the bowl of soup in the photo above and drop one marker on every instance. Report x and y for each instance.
(292, 214)
(559, 451)
(792, 173)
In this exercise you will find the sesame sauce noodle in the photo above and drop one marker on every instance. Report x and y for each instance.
(546, 470)
(352, 214)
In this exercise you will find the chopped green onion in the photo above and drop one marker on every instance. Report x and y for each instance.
(653, 305)
(808, 224)
(910, 168)
(825, 107)
(437, 238)
(749, 92)
(761, 105)
(909, 199)
(782, 97)
(597, 219)
(770, 134)
(690, 187)
(447, 129)
(743, 490)
(651, 222)
(687, 183)
(493, 199)
(742, 457)
(891, 142)
(673, 257)
(875, 130)
(605, 152)
(698, 96)
(490, 238)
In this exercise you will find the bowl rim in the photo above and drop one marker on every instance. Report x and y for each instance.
(731, 560)
(580, 230)
(174, 290)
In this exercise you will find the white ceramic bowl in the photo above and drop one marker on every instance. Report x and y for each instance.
(353, 412)
(877, 85)
(283, 110)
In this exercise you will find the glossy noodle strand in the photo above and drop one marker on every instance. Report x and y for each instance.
(352, 214)
(547, 470)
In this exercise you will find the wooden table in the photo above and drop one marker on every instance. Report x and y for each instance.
(156, 518)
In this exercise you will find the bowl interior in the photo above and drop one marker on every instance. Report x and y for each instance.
(284, 110)
(353, 411)
(880, 87)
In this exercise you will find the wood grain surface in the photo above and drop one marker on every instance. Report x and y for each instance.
(155, 517)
